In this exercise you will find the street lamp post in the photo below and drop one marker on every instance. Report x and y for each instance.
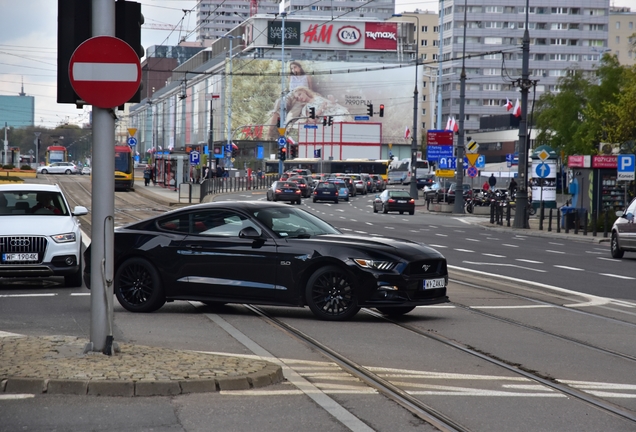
(413, 183)
(458, 207)
(37, 145)
(439, 67)
(229, 100)
(6, 144)
(282, 84)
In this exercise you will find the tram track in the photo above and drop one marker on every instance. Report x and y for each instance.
(417, 407)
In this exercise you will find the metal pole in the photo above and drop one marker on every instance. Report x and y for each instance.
(282, 85)
(415, 117)
(6, 145)
(522, 193)
(103, 204)
(459, 179)
(211, 138)
(228, 98)
(439, 70)
(37, 145)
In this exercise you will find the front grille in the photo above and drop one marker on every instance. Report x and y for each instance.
(426, 268)
(23, 244)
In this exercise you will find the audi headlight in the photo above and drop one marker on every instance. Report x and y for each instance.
(374, 264)
(64, 238)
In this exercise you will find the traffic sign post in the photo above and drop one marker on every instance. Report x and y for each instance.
(195, 158)
(626, 168)
(105, 72)
(132, 141)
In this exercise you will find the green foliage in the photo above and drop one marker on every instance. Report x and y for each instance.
(8, 166)
(26, 168)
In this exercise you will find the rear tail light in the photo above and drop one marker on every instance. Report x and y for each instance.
(297, 191)
(278, 190)
(391, 200)
(336, 193)
(412, 201)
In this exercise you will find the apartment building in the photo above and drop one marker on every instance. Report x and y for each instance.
(622, 33)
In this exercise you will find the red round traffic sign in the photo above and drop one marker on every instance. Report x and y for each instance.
(105, 71)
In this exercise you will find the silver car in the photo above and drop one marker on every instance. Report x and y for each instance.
(624, 231)
(58, 168)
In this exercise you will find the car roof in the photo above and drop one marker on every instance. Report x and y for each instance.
(19, 187)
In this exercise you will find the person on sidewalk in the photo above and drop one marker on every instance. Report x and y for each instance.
(147, 175)
(512, 187)
(485, 186)
(492, 181)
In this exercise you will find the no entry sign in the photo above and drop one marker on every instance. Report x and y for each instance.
(105, 71)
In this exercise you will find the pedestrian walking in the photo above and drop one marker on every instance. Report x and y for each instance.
(512, 187)
(485, 186)
(492, 181)
(147, 175)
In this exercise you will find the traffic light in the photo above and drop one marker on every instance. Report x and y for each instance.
(324, 121)
(282, 153)
(330, 121)
(293, 150)
(234, 153)
(382, 110)
(128, 21)
(370, 110)
(312, 112)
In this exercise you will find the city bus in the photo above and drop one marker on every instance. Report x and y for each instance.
(348, 166)
(400, 170)
(55, 154)
(124, 168)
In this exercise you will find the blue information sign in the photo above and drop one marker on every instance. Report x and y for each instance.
(282, 141)
(361, 118)
(542, 170)
(132, 141)
(435, 152)
(195, 157)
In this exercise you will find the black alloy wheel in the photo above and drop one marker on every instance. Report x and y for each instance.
(615, 249)
(330, 294)
(138, 286)
(395, 311)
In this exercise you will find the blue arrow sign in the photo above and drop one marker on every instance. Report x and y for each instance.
(447, 162)
(542, 170)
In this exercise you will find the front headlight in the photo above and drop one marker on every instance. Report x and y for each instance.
(64, 238)
(376, 265)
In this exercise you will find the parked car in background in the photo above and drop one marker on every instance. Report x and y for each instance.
(326, 191)
(430, 192)
(284, 191)
(39, 233)
(447, 194)
(268, 253)
(624, 232)
(86, 170)
(58, 168)
(394, 200)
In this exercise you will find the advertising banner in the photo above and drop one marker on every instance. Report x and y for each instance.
(334, 89)
(275, 31)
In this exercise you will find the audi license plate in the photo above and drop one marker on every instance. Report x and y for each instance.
(434, 283)
(20, 257)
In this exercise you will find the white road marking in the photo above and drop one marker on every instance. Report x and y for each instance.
(389, 227)
(528, 261)
(360, 232)
(513, 307)
(29, 295)
(491, 238)
(313, 392)
(441, 235)
(464, 250)
(368, 223)
(472, 240)
(608, 259)
(553, 251)
(437, 246)
(568, 268)
(494, 255)
(7, 334)
(80, 294)
(556, 244)
(509, 245)
(597, 253)
(504, 265)
(15, 396)
(617, 276)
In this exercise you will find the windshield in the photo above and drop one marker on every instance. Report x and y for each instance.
(32, 202)
(293, 223)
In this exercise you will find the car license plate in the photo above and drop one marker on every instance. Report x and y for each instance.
(20, 257)
(402, 201)
(434, 283)
(289, 191)
(326, 193)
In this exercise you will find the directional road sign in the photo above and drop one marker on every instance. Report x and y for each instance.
(195, 157)
(132, 141)
(361, 118)
(105, 71)
(282, 141)
(542, 170)
(310, 126)
(447, 163)
(626, 167)
(435, 152)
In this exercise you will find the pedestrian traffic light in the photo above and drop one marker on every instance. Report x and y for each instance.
(312, 112)
(293, 151)
(370, 110)
(324, 121)
(282, 153)
(330, 121)
(382, 110)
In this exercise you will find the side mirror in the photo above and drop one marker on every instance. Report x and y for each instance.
(249, 233)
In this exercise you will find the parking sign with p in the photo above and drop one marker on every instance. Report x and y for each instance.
(626, 167)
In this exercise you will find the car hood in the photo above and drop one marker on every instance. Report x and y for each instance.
(36, 225)
(406, 249)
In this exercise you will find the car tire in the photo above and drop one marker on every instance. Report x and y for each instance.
(314, 200)
(138, 286)
(335, 201)
(74, 280)
(298, 202)
(375, 210)
(44, 171)
(395, 311)
(411, 212)
(68, 172)
(385, 209)
(331, 294)
(401, 212)
(615, 249)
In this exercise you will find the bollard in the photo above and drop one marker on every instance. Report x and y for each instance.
(508, 215)
(567, 227)
(500, 214)
(550, 221)
(605, 224)
(585, 222)
(594, 223)
(576, 221)
(492, 212)
(541, 215)
(558, 220)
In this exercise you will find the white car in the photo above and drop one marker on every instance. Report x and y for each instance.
(86, 170)
(39, 235)
(58, 168)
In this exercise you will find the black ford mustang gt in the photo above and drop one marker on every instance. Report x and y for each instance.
(269, 254)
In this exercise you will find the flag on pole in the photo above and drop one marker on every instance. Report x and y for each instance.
(455, 126)
(516, 111)
(449, 125)
(508, 105)
(407, 133)
(291, 141)
(234, 146)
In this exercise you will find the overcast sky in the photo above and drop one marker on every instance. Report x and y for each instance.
(28, 40)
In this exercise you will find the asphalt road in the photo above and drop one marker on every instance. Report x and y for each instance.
(553, 309)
